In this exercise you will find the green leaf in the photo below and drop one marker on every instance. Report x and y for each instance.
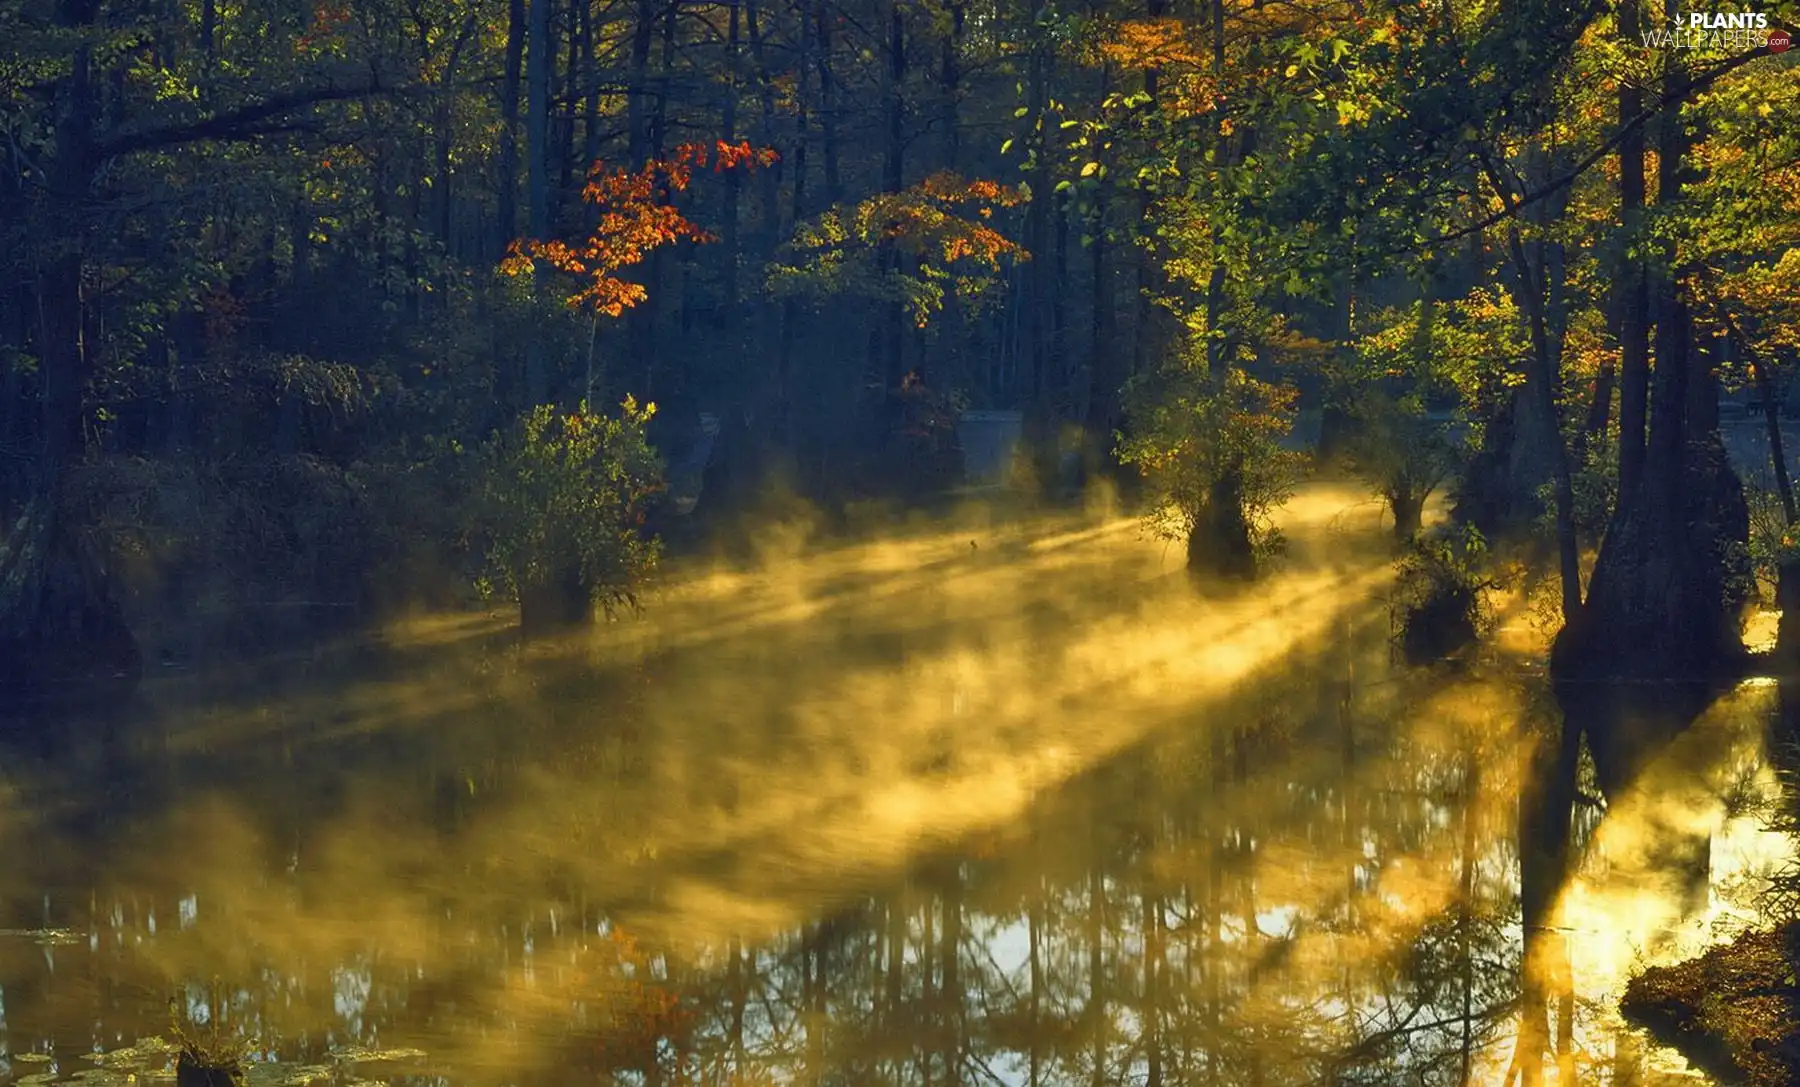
(1005, 147)
(1021, 111)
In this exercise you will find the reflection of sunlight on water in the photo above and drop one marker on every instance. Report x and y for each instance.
(471, 838)
(799, 730)
(1673, 869)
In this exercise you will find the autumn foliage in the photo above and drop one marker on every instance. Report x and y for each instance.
(941, 225)
(635, 216)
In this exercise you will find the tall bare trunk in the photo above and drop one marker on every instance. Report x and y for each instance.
(894, 178)
(828, 104)
(506, 184)
(59, 620)
(537, 173)
(1104, 376)
(1634, 295)
(728, 234)
(1037, 213)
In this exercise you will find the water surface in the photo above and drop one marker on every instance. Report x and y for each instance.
(998, 800)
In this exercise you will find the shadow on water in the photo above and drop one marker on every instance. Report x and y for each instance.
(989, 802)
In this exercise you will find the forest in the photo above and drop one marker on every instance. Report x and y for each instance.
(323, 317)
(300, 293)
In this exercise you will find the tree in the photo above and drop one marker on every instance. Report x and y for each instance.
(1396, 443)
(91, 131)
(1203, 443)
(566, 498)
(563, 513)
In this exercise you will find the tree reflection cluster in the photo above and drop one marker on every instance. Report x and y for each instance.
(1315, 877)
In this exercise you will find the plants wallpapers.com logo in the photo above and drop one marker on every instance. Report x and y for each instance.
(1727, 30)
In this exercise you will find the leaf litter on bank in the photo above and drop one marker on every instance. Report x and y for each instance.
(46, 936)
(286, 1075)
(359, 1055)
(143, 1052)
(1731, 1011)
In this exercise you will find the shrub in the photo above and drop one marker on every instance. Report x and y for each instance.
(563, 501)
(1442, 585)
(1772, 542)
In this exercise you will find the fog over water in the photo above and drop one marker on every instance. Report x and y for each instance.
(999, 798)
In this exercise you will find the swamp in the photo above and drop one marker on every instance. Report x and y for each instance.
(1019, 542)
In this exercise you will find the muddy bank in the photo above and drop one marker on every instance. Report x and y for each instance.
(1731, 1011)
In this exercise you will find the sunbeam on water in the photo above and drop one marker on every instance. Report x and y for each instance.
(994, 799)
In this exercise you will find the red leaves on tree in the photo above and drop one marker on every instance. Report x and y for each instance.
(731, 156)
(635, 217)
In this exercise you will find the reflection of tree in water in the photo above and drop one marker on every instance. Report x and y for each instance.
(1327, 896)
(1326, 889)
(1321, 896)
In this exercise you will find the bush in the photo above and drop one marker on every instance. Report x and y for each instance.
(563, 502)
(1772, 542)
(1441, 605)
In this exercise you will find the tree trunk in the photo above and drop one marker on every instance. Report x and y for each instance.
(1104, 376)
(828, 118)
(61, 628)
(1663, 603)
(950, 82)
(590, 99)
(734, 179)
(1599, 413)
(562, 120)
(1142, 348)
(1634, 294)
(555, 604)
(537, 174)
(1542, 384)
(1408, 508)
(643, 35)
(1787, 583)
(782, 424)
(1037, 214)
(647, 314)
(506, 215)
(1219, 545)
(894, 179)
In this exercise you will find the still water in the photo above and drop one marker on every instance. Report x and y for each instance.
(998, 801)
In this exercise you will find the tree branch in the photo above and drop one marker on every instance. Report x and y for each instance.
(258, 118)
(273, 114)
(1588, 161)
